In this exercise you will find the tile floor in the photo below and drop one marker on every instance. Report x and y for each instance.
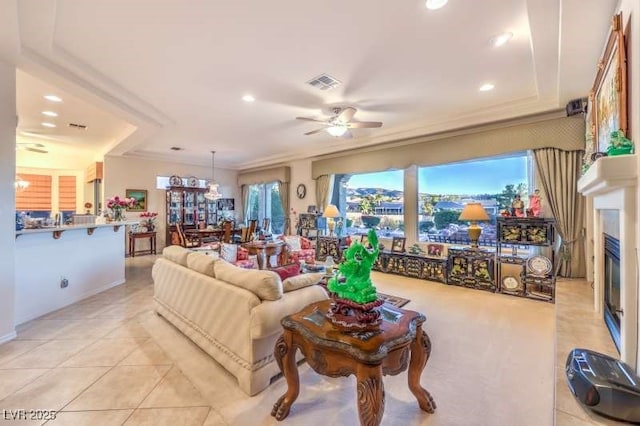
(109, 360)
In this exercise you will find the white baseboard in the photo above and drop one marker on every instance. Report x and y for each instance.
(8, 337)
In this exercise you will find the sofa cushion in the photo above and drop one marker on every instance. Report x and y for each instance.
(264, 284)
(287, 271)
(300, 281)
(177, 254)
(305, 244)
(229, 252)
(202, 263)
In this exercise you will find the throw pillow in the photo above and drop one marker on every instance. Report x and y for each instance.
(229, 252)
(300, 281)
(293, 242)
(305, 243)
(243, 253)
(287, 271)
(264, 284)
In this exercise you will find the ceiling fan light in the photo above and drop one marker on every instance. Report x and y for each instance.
(435, 4)
(337, 131)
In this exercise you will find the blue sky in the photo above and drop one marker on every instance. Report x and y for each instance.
(477, 177)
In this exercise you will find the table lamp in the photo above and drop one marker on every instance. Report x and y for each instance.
(330, 212)
(473, 212)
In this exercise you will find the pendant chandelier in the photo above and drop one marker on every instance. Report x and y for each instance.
(213, 193)
(21, 184)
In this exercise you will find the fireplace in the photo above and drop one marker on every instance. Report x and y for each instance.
(612, 299)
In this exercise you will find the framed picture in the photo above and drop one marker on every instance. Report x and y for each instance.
(397, 244)
(311, 209)
(140, 196)
(435, 250)
(609, 92)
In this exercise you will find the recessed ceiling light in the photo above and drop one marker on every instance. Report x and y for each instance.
(45, 124)
(50, 113)
(53, 98)
(501, 39)
(486, 87)
(248, 98)
(435, 4)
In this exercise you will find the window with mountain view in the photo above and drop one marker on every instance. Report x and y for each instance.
(443, 191)
(376, 201)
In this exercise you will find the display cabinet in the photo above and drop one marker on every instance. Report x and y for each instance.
(189, 207)
(532, 276)
(473, 268)
(412, 265)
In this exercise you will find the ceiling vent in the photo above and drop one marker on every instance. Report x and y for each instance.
(176, 148)
(78, 126)
(324, 82)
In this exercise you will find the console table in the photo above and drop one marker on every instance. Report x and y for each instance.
(412, 265)
(367, 355)
(133, 236)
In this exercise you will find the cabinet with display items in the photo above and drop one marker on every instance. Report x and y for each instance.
(412, 265)
(472, 268)
(330, 246)
(192, 210)
(532, 276)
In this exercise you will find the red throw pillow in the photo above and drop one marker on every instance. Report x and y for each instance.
(305, 244)
(287, 271)
(243, 253)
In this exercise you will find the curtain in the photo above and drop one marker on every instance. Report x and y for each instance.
(283, 192)
(245, 201)
(559, 172)
(323, 189)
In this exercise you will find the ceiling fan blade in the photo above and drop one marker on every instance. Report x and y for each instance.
(364, 124)
(346, 114)
(311, 119)
(314, 132)
(347, 135)
(40, 151)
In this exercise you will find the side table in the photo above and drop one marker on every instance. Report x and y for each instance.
(399, 343)
(133, 236)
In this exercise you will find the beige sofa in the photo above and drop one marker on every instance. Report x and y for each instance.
(233, 314)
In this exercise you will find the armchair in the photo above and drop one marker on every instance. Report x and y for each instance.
(299, 248)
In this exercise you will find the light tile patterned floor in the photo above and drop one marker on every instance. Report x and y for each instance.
(109, 360)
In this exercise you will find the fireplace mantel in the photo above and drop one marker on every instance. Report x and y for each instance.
(609, 173)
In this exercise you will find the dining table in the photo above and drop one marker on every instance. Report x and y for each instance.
(265, 250)
(211, 232)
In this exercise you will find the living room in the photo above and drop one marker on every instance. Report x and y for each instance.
(444, 122)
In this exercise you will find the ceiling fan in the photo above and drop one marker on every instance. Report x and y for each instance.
(31, 146)
(340, 123)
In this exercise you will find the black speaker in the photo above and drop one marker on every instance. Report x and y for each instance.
(577, 106)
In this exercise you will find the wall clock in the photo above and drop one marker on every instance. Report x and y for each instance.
(301, 191)
(510, 283)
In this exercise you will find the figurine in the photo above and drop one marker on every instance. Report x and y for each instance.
(535, 203)
(356, 271)
(619, 144)
(517, 206)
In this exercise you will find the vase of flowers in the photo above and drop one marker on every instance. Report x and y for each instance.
(118, 205)
(148, 220)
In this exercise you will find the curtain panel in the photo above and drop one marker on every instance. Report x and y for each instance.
(283, 192)
(253, 177)
(323, 189)
(245, 202)
(559, 172)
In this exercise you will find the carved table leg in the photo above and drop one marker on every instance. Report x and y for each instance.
(285, 356)
(420, 352)
(370, 394)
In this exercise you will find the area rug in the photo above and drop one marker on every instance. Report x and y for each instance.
(396, 301)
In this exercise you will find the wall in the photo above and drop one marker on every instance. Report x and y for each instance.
(122, 173)
(7, 199)
(301, 174)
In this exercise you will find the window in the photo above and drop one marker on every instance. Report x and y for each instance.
(374, 201)
(36, 197)
(67, 194)
(162, 182)
(264, 202)
(444, 190)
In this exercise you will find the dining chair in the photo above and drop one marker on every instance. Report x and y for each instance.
(227, 227)
(187, 241)
(253, 223)
(265, 225)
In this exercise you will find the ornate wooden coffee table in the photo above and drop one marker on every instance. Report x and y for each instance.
(368, 355)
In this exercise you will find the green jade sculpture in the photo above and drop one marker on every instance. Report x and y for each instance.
(353, 280)
(619, 144)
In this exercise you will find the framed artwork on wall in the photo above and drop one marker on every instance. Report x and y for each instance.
(140, 196)
(609, 93)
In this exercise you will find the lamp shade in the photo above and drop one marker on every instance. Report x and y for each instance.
(473, 212)
(331, 211)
